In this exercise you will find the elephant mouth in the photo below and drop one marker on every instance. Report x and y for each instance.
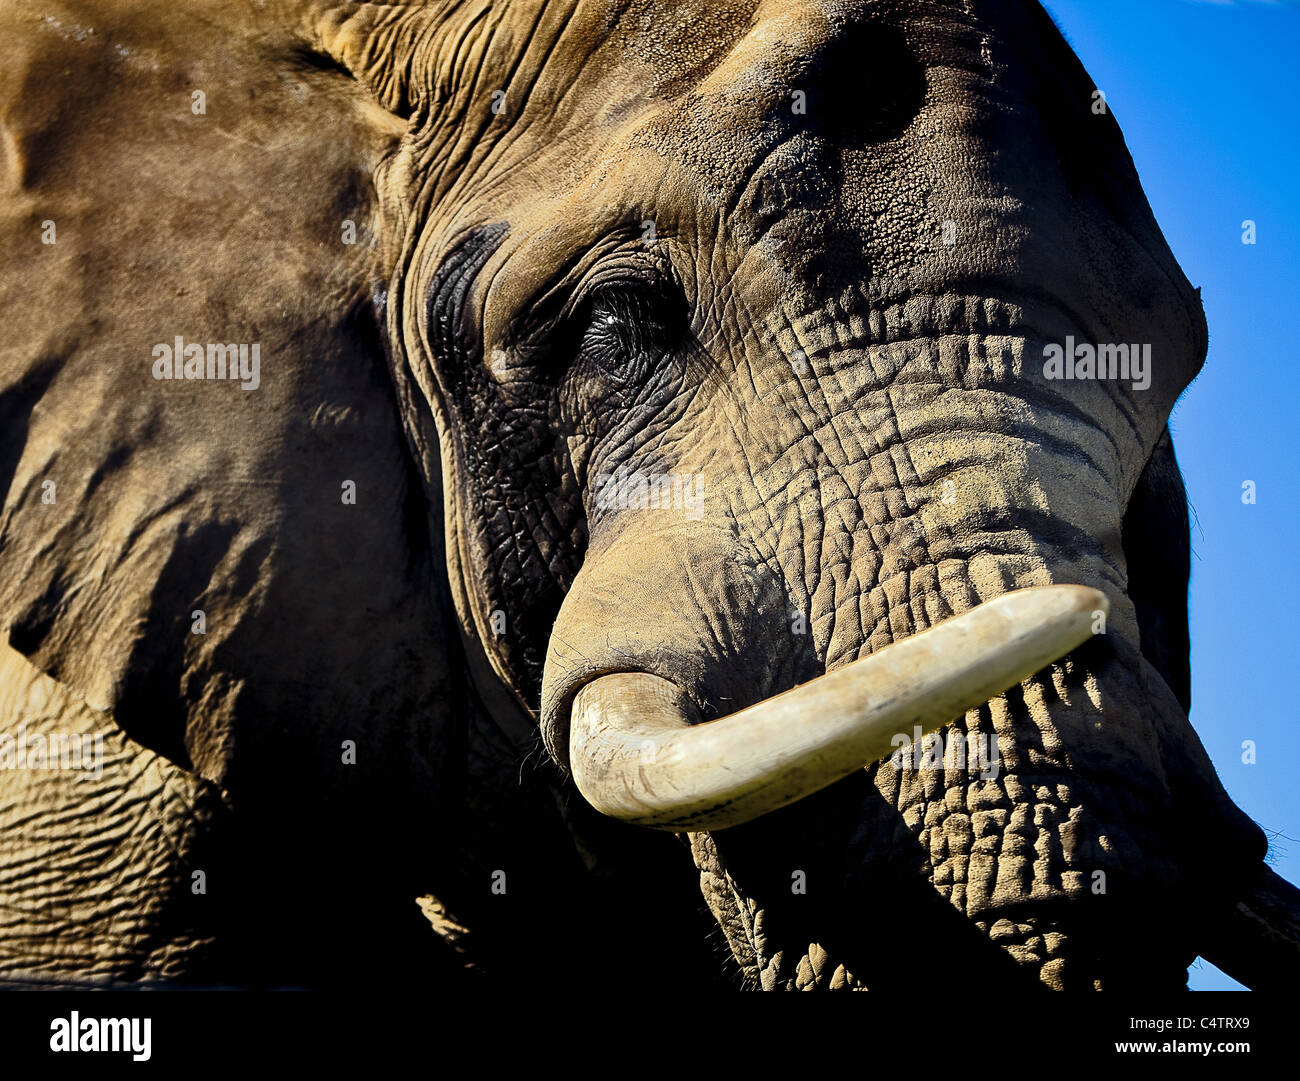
(639, 750)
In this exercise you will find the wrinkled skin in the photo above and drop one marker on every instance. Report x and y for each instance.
(863, 403)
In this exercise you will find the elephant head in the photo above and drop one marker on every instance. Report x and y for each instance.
(687, 353)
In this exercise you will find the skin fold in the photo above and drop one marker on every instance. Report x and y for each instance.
(802, 259)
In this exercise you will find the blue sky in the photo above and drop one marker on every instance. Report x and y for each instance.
(1206, 92)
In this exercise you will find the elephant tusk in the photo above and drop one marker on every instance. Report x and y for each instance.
(638, 752)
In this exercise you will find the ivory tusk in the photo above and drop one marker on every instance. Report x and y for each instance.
(637, 755)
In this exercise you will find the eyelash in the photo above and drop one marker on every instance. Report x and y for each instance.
(625, 323)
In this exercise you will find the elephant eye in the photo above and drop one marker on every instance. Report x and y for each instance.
(631, 327)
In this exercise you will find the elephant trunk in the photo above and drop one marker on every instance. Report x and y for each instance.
(1071, 842)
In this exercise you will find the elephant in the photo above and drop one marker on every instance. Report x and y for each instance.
(463, 459)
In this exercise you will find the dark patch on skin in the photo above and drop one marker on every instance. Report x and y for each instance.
(528, 533)
(16, 405)
(450, 334)
(317, 60)
(865, 87)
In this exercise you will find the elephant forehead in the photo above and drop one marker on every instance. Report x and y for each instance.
(705, 124)
(422, 53)
(494, 90)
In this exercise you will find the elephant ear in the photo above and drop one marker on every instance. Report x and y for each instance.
(226, 564)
